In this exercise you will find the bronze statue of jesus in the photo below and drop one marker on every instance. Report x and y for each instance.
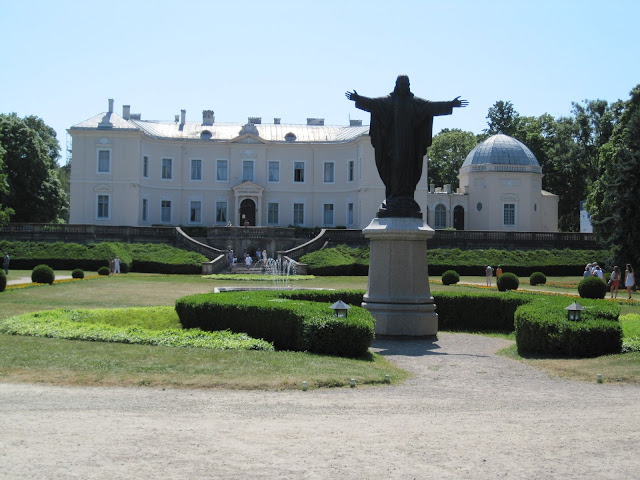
(400, 131)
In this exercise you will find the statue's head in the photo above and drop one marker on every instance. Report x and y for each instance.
(402, 85)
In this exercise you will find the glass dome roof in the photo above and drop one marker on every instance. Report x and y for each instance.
(501, 149)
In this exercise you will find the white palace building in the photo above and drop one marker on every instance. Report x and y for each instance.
(132, 172)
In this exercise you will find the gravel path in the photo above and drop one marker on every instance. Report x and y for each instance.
(466, 413)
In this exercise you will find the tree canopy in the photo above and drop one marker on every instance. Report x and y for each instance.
(446, 155)
(613, 198)
(33, 191)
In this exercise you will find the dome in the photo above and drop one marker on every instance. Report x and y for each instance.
(501, 149)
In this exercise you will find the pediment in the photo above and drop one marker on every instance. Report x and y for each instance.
(509, 197)
(248, 188)
(248, 138)
(103, 189)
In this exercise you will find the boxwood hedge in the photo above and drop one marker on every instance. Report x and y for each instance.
(135, 257)
(343, 260)
(289, 320)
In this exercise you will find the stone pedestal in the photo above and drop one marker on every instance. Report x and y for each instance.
(398, 294)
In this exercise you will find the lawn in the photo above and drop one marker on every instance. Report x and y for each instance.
(92, 363)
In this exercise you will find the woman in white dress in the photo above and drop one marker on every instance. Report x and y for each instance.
(629, 279)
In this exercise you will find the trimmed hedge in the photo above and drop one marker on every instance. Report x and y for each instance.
(542, 328)
(537, 278)
(592, 287)
(3, 281)
(104, 271)
(507, 281)
(77, 273)
(450, 277)
(282, 318)
(135, 257)
(343, 260)
(43, 274)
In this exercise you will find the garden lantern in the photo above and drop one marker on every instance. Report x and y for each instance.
(573, 311)
(340, 308)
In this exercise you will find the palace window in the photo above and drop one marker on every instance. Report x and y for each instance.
(165, 211)
(272, 214)
(222, 171)
(440, 220)
(167, 168)
(103, 207)
(247, 170)
(327, 214)
(104, 161)
(196, 169)
(329, 171)
(221, 212)
(274, 171)
(195, 211)
(298, 172)
(298, 213)
(509, 214)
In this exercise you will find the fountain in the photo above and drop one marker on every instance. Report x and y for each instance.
(280, 270)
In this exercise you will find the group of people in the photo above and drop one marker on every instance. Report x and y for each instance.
(594, 270)
(261, 258)
(488, 270)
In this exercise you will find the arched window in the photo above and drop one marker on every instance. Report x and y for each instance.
(440, 220)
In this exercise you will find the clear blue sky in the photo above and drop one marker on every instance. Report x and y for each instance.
(62, 60)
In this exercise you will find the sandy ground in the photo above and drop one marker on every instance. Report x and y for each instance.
(466, 413)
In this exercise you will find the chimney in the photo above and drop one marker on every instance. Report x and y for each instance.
(183, 115)
(255, 120)
(276, 121)
(110, 105)
(207, 117)
(177, 118)
(447, 188)
(315, 121)
(135, 116)
(355, 123)
(126, 112)
(432, 188)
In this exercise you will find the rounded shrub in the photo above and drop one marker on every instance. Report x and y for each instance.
(77, 273)
(104, 271)
(592, 287)
(508, 281)
(43, 274)
(450, 277)
(3, 281)
(537, 278)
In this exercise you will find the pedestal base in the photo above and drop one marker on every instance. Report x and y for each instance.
(412, 320)
(398, 294)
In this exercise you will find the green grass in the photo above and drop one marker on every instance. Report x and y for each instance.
(75, 362)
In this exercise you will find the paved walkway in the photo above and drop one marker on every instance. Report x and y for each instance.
(466, 413)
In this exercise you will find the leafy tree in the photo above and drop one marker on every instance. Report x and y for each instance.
(502, 118)
(613, 199)
(5, 212)
(34, 190)
(446, 155)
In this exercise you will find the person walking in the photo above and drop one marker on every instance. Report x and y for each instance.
(629, 279)
(116, 265)
(5, 262)
(614, 282)
(489, 273)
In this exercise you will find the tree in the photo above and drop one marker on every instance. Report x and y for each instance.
(446, 155)
(613, 199)
(5, 212)
(34, 190)
(502, 118)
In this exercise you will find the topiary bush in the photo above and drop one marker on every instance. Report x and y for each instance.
(537, 278)
(3, 281)
(508, 281)
(104, 271)
(450, 277)
(77, 273)
(592, 287)
(43, 274)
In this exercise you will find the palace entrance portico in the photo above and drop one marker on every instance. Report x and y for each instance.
(248, 204)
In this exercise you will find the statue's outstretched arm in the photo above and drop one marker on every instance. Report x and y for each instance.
(460, 103)
(352, 95)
